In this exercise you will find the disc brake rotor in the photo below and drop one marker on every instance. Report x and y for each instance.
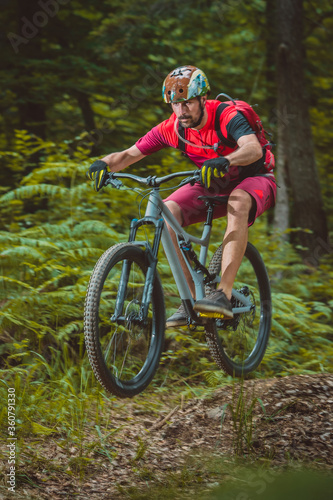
(132, 319)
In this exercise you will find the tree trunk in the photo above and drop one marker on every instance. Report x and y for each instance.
(270, 34)
(33, 118)
(93, 137)
(281, 212)
(279, 218)
(294, 129)
(32, 113)
(86, 110)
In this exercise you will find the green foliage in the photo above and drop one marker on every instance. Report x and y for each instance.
(301, 338)
(47, 255)
(97, 85)
(96, 89)
(242, 413)
(55, 258)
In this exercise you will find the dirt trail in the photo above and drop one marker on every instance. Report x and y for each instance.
(291, 420)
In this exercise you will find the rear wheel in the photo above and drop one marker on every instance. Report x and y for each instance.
(238, 345)
(123, 350)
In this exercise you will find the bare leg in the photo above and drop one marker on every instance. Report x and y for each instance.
(177, 213)
(235, 238)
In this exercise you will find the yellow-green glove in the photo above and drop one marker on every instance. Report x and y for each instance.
(214, 168)
(97, 172)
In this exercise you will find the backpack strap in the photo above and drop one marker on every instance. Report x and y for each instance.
(225, 140)
(181, 144)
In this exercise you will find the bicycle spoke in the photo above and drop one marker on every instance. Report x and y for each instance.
(124, 359)
(123, 350)
(238, 345)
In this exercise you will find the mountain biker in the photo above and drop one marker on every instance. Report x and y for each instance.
(241, 170)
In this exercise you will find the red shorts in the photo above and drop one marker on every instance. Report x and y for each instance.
(262, 190)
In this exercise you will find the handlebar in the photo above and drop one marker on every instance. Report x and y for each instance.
(113, 178)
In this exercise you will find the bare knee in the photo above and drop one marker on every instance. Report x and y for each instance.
(175, 210)
(239, 204)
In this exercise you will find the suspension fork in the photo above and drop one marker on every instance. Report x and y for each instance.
(151, 260)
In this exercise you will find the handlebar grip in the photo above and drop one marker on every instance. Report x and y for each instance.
(115, 183)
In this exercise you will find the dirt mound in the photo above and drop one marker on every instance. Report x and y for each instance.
(287, 418)
(278, 419)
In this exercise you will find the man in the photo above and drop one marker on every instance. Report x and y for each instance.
(240, 169)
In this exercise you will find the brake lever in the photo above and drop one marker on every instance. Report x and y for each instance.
(195, 178)
(188, 180)
(191, 180)
(115, 183)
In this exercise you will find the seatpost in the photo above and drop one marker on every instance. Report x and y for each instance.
(210, 213)
(206, 232)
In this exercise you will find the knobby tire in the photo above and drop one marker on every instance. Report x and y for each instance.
(238, 346)
(124, 357)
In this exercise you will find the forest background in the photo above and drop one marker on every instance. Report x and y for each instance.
(79, 80)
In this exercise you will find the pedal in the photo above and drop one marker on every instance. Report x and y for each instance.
(214, 315)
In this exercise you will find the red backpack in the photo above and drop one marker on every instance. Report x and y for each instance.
(248, 113)
(254, 121)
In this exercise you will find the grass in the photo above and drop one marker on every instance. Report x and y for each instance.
(68, 428)
(59, 401)
(221, 478)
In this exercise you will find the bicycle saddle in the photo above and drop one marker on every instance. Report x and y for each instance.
(215, 200)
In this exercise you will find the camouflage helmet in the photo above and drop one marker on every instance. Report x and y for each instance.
(184, 83)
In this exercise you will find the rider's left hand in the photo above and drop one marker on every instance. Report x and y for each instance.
(214, 168)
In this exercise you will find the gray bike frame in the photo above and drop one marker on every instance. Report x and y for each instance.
(155, 209)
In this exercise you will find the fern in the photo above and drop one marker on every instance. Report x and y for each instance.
(95, 227)
(19, 320)
(48, 252)
(25, 192)
(70, 328)
(57, 171)
(13, 239)
(22, 251)
(214, 378)
(16, 282)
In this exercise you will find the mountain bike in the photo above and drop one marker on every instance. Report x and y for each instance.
(124, 317)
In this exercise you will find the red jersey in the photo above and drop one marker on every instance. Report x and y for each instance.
(233, 125)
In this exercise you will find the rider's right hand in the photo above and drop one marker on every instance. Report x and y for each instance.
(213, 168)
(98, 172)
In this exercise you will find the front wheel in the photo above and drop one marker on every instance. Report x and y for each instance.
(124, 349)
(238, 345)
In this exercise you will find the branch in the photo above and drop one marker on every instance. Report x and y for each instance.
(160, 424)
